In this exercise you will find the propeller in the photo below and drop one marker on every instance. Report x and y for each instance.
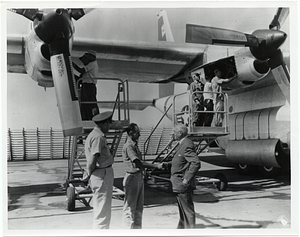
(279, 18)
(264, 44)
(55, 28)
(31, 14)
(28, 13)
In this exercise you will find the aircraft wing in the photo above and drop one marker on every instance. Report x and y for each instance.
(138, 62)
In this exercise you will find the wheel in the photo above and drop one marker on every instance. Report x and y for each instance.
(244, 169)
(270, 172)
(71, 198)
(222, 184)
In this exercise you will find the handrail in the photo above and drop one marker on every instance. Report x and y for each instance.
(122, 87)
(224, 111)
(155, 129)
(174, 108)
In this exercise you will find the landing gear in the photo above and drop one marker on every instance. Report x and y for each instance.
(222, 184)
(267, 171)
(270, 172)
(70, 198)
(244, 169)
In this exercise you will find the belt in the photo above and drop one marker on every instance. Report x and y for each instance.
(133, 172)
(98, 167)
(208, 99)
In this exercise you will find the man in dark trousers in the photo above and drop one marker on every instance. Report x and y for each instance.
(88, 91)
(197, 101)
(184, 166)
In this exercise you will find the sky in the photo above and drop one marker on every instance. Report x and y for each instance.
(31, 106)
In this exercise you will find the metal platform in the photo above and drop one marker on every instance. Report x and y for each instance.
(202, 136)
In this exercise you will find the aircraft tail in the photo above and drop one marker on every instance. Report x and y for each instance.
(164, 29)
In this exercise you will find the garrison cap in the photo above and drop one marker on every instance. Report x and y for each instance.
(102, 117)
(92, 52)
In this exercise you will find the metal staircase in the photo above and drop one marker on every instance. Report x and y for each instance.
(77, 187)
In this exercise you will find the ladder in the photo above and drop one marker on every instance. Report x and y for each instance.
(77, 187)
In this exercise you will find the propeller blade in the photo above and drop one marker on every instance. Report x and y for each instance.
(280, 73)
(279, 18)
(28, 13)
(77, 13)
(212, 35)
(65, 87)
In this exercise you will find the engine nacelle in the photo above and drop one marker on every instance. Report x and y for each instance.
(37, 55)
(264, 152)
(249, 70)
(37, 65)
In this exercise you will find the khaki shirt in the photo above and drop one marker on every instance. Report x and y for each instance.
(96, 143)
(130, 153)
(91, 71)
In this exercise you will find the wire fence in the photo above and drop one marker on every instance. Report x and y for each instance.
(48, 144)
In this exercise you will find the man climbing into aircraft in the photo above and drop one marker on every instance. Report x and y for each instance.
(195, 87)
(88, 87)
(218, 98)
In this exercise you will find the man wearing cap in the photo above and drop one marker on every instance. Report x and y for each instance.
(99, 170)
(88, 87)
(218, 98)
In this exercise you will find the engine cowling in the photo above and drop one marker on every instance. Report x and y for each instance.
(263, 152)
(249, 70)
(36, 65)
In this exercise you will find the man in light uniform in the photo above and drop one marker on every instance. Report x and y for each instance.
(218, 98)
(99, 170)
(88, 91)
(133, 181)
(208, 101)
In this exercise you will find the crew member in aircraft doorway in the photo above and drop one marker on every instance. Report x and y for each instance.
(218, 97)
(208, 101)
(88, 90)
(197, 101)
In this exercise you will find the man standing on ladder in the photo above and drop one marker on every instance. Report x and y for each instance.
(88, 89)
